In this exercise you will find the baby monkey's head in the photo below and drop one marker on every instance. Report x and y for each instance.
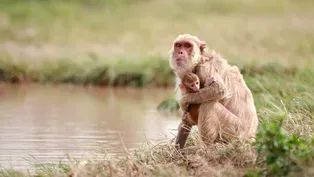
(191, 82)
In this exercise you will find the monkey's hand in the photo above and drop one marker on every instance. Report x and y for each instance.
(185, 116)
(214, 92)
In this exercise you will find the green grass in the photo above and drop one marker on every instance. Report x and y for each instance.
(243, 30)
(151, 71)
(77, 41)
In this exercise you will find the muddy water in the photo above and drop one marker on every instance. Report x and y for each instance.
(42, 124)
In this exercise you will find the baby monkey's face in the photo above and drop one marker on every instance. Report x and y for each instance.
(195, 86)
(193, 83)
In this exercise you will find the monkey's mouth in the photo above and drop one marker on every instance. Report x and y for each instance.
(180, 60)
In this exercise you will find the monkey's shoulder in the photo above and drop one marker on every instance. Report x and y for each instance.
(233, 73)
(204, 70)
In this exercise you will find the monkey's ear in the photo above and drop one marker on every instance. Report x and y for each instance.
(182, 88)
(202, 46)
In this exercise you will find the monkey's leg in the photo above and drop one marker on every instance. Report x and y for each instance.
(216, 122)
(183, 133)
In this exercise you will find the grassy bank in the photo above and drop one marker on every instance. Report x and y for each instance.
(153, 71)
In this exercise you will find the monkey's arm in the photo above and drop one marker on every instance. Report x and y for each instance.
(214, 92)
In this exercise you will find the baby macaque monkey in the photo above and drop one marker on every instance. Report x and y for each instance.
(191, 84)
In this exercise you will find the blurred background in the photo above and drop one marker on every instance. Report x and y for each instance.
(125, 43)
(242, 30)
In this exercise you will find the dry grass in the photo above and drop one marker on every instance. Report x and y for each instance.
(163, 160)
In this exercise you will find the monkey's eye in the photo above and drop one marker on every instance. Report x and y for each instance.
(178, 45)
(196, 83)
(187, 45)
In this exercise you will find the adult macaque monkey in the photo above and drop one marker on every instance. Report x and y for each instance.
(227, 109)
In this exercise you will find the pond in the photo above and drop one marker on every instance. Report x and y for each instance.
(44, 123)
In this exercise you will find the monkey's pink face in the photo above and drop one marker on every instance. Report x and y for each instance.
(195, 86)
(182, 52)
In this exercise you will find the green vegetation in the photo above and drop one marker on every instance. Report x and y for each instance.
(243, 30)
(151, 71)
(284, 154)
(78, 40)
(125, 43)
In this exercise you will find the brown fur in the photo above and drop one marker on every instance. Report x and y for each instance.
(227, 109)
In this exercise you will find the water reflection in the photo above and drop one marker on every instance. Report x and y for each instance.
(47, 122)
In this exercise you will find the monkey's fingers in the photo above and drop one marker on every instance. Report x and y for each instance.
(184, 116)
